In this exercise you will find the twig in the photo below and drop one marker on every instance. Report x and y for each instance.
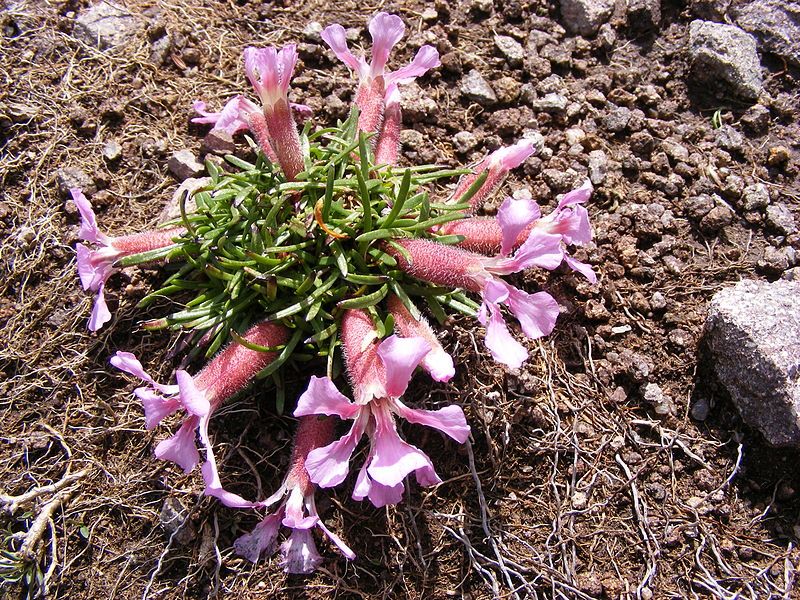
(14, 502)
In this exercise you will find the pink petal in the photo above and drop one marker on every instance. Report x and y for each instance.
(322, 398)
(211, 474)
(156, 407)
(400, 357)
(127, 362)
(299, 553)
(294, 512)
(512, 156)
(100, 313)
(192, 398)
(427, 58)
(328, 466)
(581, 267)
(514, 216)
(260, 540)
(303, 111)
(576, 196)
(393, 458)
(450, 420)
(503, 347)
(536, 313)
(336, 38)
(439, 364)
(380, 495)
(89, 232)
(232, 118)
(343, 548)
(181, 448)
(541, 249)
(386, 30)
(270, 70)
(427, 477)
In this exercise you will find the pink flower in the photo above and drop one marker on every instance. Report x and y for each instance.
(227, 373)
(379, 373)
(96, 265)
(518, 220)
(389, 140)
(297, 512)
(386, 30)
(458, 268)
(497, 165)
(269, 70)
(437, 362)
(233, 118)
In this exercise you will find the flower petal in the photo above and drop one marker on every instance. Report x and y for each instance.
(294, 512)
(89, 231)
(192, 398)
(343, 548)
(541, 249)
(426, 58)
(260, 540)
(181, 448)
(581, 267)
(401, 356)
(510, 157)
(328, 466)
(336, 38)
(450, 420)
(514, 216)
(156, 407)
(323, 398)
(127, 362)
(536, 313)
(576, 196)
(393, 458)
(299, 553)
(386, 30)
(501, 344)
(380, 495)
(100, 313)
(439, 364)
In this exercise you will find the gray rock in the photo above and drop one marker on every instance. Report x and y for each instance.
(755, 197)
(718, 217)
(711, 10)
(585, 16)
(753, 333)
(729, 139)
(417, 104)
(465, 141)
(598, 166)
(617, 120)
(219, 142)
(780, 218)
(106, 25)
(725, 58)
(510, 48)
(774, 261)
(112, 151)
(476, 88)
(662, 403)
(312, 32)
(550, 103)
(756, 119)
(776, 25)
(73, 177)
(700, 409)
(160, 50)
(644, 14)
(658, 301)
(183, 164)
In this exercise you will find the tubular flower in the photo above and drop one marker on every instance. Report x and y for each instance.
(386, 30)
(297, 511)
(437, 362)
(228, 373)
(497, 165)
(389, 141)
(458, 268)
(269, 71)
(96, 265)
(379, 373)
(518, 219)
(233, 118)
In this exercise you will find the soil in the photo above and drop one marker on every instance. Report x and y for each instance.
(574, 485)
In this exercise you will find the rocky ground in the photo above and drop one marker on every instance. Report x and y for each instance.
(613, 465)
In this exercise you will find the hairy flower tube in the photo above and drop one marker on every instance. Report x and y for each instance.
(379, 372)
(96, 265)
(375, 81)
(297, 511)
(269, 71)
(228, 373)
(496, 166)
(458, 268)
